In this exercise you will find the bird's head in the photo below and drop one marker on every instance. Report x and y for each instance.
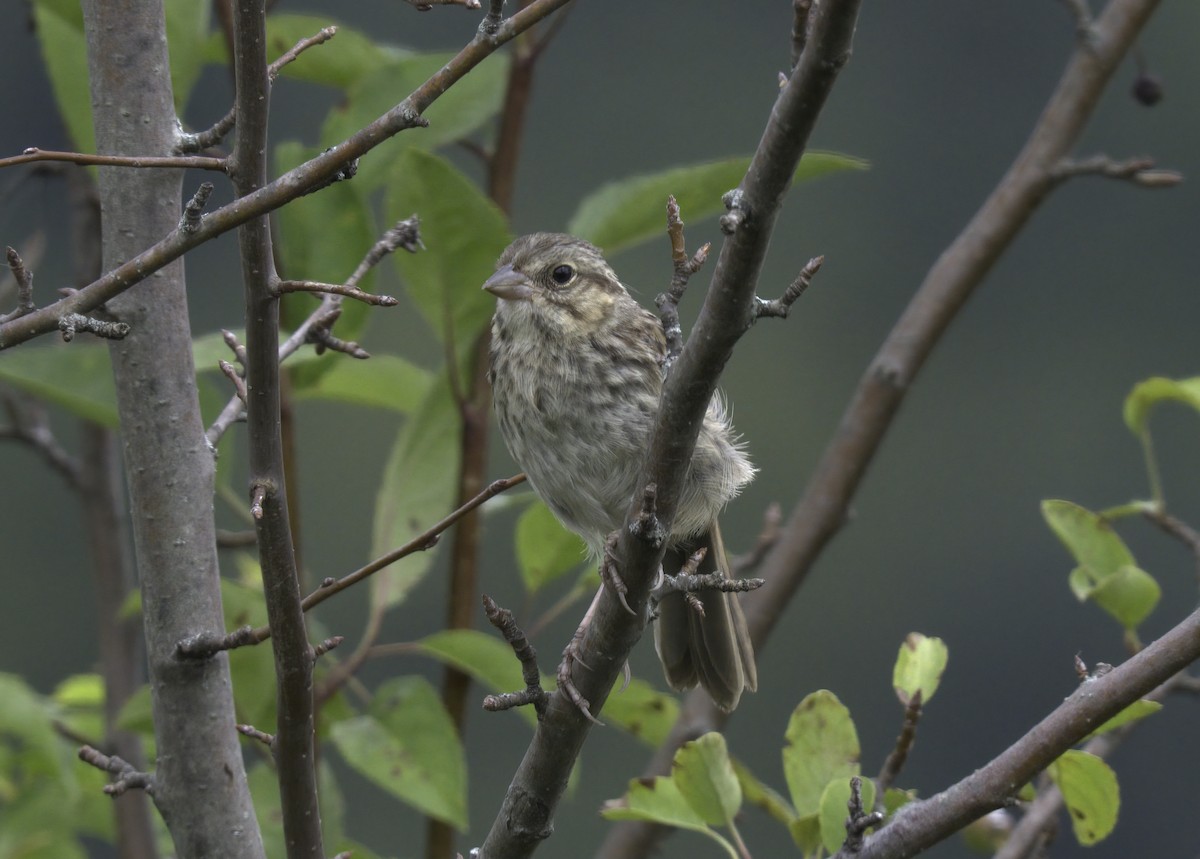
(557, 281)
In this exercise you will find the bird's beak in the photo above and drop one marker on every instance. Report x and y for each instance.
(509, 284)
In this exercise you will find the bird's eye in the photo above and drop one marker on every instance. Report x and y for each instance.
(562, 274)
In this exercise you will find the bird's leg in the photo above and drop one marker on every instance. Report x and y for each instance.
(608, 571)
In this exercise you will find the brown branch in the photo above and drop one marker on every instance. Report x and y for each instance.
(683, 267)
(782, 306)
(427, 5)
(340, 289)
(924, 823)
(294, 183)
(30, 425)
(24, 279)
(525, 818)
(533, 693)
(173, 162)
(127, 777)
(898, 756)
(1139, 171)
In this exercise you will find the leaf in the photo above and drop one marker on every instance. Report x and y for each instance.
(407, 745)
(463, 232)
(324, 237)
(341, 62)
(806, 833)
(822, 745)
(704, 774)
(1090, 791)
(76, 376)
(459, 111)
(641, 710)
(418, 489)
(264, 790)
(835, 810)
(484, 657)
(80, 690)
(251, 668)
(1149, 393)
(1129, 595)
(187, 29)
(660, 801)
(894, 799)
(1137, 710)
(755, 792)
(919, 667)
(1088, 536)
(545, 549)
(632, 210)
(384, 382)
(59, 26)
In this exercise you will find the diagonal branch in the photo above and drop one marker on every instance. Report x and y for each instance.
(525, 818)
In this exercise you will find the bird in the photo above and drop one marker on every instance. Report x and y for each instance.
(577, 370)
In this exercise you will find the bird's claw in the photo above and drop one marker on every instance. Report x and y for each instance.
(609, 574)
(567, 685)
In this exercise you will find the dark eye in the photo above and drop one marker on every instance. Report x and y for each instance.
(562, 274)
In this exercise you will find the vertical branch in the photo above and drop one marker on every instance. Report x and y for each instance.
(102, 498)
(200, 782)
(294, 737)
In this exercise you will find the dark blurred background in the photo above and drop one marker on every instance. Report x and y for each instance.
(1020, 402)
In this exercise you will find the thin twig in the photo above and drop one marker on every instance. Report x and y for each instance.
(335, 289)
(174, 162)
(780, 307)
(127, 777)
(904, 742)
(24, 279)
(682, 269)
(533, 693)
(1139, 171)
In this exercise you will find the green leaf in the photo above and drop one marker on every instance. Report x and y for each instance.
(324, 237)
(641, 710)
(1137, 710)
(187, 31)
(1149, 393)
(755, 792)
(835, 801)
(407, 745)
(341, 62)
(76, 376)
(704, 774)
(894, 799)
(458, 112)
(660, 801)
(463, 232)
(59, 26)
(545, 549)
(987, 834)
(384, 382)
(822, 745)
(418, 489)
(80, 690)
(1088, 536)
(137, 714)
(806, 833)
(630, 211)
(484, 657)
(252, 668)
(1129, 595)
(1090, 791)
(919, 667)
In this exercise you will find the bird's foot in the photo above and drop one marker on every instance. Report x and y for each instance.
(566, 684)
(608, 571)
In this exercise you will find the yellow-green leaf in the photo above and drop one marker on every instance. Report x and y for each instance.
(1090, 791)
(1149, 393)
(545, 549)
(822, 745)
(633, 210)
(1137, 710)
(659, 801)
(705, 777)
(835, 810)
(919, 667)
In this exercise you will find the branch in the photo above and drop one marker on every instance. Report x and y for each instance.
(922, 824)
(127, 777)
(173, 162)
(294, 746)
(525, 818)
(29, 424)
(24, 279)
(294, 183)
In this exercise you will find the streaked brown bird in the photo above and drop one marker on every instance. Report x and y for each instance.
(577, 373)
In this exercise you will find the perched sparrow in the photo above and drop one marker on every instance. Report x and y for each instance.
(576, 373)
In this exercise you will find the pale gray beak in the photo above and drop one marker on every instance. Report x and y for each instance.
(509, 284)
